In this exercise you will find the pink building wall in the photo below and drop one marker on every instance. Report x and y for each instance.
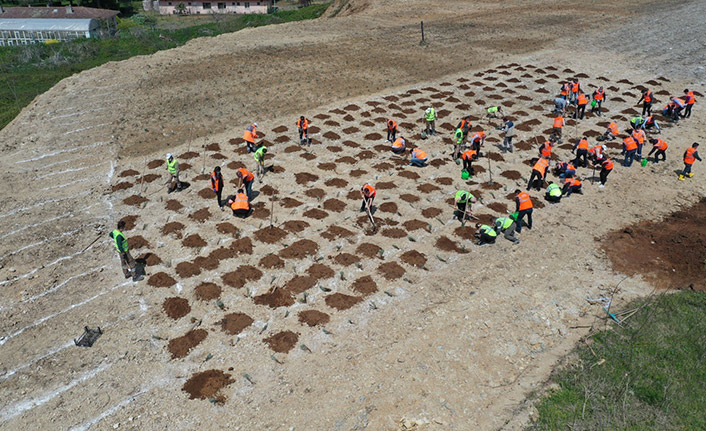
(197, 7)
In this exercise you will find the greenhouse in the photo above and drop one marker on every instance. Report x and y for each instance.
(41, 30)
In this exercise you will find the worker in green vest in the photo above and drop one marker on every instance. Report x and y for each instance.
(430, 118)
(493, 111)
(462, 200)
(508, 227)
(127, 262)
(485, 234)
(553, 192)
(458, 143)
(173, 170)
(259, 157)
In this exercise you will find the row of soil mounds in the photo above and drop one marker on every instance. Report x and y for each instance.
(671, 253)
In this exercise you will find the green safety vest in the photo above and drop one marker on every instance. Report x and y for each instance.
(488, 230)
(430, 115)
(492, 110)
(259, 154)
(463, 196)
(554, 190)
(459, 136)
(117, 234)
(173, 166)
(636, 120)
(504, 222)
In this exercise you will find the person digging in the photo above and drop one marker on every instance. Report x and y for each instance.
(126, 260)
(463, 200)
(485, 234)
(240, 204)
(173, 170)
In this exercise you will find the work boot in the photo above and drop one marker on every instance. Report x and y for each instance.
(681, 177)
(691, 174)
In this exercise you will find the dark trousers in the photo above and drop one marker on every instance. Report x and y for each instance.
(218, 196)
(487, 239)
(572, 189)
(362, 205)
(302, 133)
(475, 146)
(597, 108)
(251, 146)
(248, 188)
(242, 213)
(467, 166)
(391, 135)
(687, 111)
(551, 198)
(520, 216)
(604, 175)
(629, 157)
(658, 153)
(647, 108)
(638, 155)
(687, 169)
(535, 180)
(580, 110)
(581, 158)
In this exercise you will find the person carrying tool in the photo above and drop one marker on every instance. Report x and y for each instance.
(463, 200)
(523, 207)
(399, 145)
(659, 147)
(690, 100)
(629, 149)
(606, 168)
(367, 192)
(249, 137)
(690, 156)
(571, 185)
(419, 158)
(173, 170)
(558, 126)
(245, 180)
(217, 185)
(303, 126)
(508, 128)
(468, 157)
(391, 130)
(240, 204)
(581, 149)
(575, 90)
(458, 143)
(611, 132)
(126, 260)
(485, 234)
(581, 103)
(539, 174)
(546, 149)
(477, 140)
(259, 157)
(647, 99)
(598, 98)
(553, 193)
(430, 119)
(493, 111)
(507, 226)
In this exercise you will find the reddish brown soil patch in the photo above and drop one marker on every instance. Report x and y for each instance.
(331, 135)
(322, 116)
(307, 156)
(315, 193)
(188, 155)
(445, 181)
(295, 226)
(218, 156)
(496, 157)
(300, 249)
(414, 258)
(336, 182)
(334, 205)
(327, 166)
(465, 232)
(445, 244)
(365, 154)
(391, 270)
(300, 284)
(187, 269)
(235, 323)
(241, 276)
(282, 139)
(512, 175)
(346, 259)
(498, 207)
(206, 263)
(181, 346)
(332, 123)
(493, 186)
(340, 301)
(356, 173)
(201, 215)
(394, 233)
(176, 307)
(412, 225)
(235, 165)
(335, 232)
(226, 228)
(121, 186)
(282, 342)
(290, 202)
(305, 177)
(388, 207)
(385, 185)
(184, 166)
(350, 130)
(383, 166)
(207, 384)
(347, 159)
(316, 213)
(320, 271)
(428, 188)
(663, 251)
(137, 241)
(129, 222)
(206, 193)
(537, 203)
(293, 149)
(373, 136)
(207, 291)
(280, 129)
(365, 285)
(151, 177)
(409, 174)
(270, 235)
(409, 198)
(275, 299)
(313, 130)
(431, 212)
(352, 144)
(150, 259)
(271, 261)
(313, 318)
(242, 246)
(135, 200)
(128, 173)
(156, 163)
(268, 190)
(194, 240)
(369, 250)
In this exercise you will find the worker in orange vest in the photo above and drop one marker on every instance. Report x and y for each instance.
(465, 126)
(419, 158)
(217, 185)
(564, 169)
(571, 185)
(575, 89)
(399, 146)
(606, 168)
(647, 99)
(677, 106)
(582, 101)
(523, 207)
(468, 157)
(640, 136)
(597, 153)
(303, 126)
(581, 149)
(565, 89)
(249, 136)
(539, 174)
(690, 100)
(690, 156)
(477, 140)
(367, 192)
(546, 149)
(245, 179)
(557, 126)
(659, 147)
(391, 130)
(629, 149)
(611, 132)
(240, 204)
(598, 97)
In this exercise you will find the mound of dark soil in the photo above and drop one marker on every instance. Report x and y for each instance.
(313, 318)
(181, 346)
(176, 307)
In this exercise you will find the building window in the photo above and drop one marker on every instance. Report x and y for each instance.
(207, 5)
(170, 3)
(247, 5)
(189, 3)
(238, 3)
(258, 3)
(232, 4)
(221, 5)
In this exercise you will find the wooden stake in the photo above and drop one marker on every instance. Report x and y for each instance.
(142, 180)
(272, 211)
(490, 172)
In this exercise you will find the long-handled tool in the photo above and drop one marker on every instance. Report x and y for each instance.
(369, 211)
(490, 173)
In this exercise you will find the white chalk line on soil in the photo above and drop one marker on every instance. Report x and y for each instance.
(66, 150)
(62, 284)
(71, 132)
(51, 201)
(30, 226)
(87, 425)
(38, 322)
(61, 186)
(70, 170)
(23, 406)
(34, 244)
(58, 117)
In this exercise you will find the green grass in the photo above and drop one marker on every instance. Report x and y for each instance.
(653, 376)
(28, 71)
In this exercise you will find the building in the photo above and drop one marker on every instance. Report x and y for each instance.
(168, 7)
(27, 25)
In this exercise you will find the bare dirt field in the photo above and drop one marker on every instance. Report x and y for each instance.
(301, 316)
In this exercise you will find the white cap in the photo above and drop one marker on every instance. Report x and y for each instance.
(254, 124)
(604, 147)
(429, 109)
(169, 155)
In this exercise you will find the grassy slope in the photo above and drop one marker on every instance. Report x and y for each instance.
(28, 71)
(653, 377)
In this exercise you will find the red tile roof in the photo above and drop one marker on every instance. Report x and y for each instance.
(79, 12)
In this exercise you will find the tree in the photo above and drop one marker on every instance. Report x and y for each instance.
(181, 8)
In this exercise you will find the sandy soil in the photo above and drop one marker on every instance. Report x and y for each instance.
(378, 331)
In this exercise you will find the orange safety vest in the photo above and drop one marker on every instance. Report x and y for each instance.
(547, 149)
(559, 122)
(398, 144)
(679, 102)
(607, 164)
(575, 87)
(613, 127)
(391, 125)
(250, 134)
(570, 167)
(572, 182)
(524, 200)
(304, 125)
(240, 202)
(599, 94)
(541, 166)
(368, 191)
(565, 89)
(419, 154)
(468, 155)
(583, 145)
(639, 136)
(689, 158)
(464, 123)
(661, 145)
(478, 137)
(690, 99)
(215, 183)
(582, 99)
(630, 143)
(247, 175)
(648, 96)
